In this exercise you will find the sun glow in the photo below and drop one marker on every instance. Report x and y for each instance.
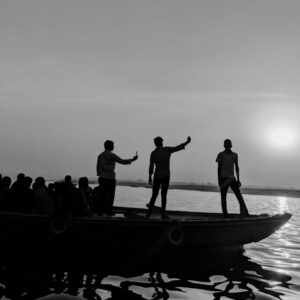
(282, 204)
(282, 137)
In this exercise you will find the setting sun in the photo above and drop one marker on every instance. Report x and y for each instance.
(282, 137)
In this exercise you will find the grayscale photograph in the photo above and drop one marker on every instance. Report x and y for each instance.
(150, 149)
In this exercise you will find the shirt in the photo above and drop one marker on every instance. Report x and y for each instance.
(160, 157)
(106, 164)
(227, 161)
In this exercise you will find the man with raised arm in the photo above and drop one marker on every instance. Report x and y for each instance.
(228, 161)
(160, 160)
(106, 164)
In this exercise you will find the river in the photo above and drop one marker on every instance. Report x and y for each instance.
(269, 269)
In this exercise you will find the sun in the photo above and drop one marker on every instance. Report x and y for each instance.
(282, 137)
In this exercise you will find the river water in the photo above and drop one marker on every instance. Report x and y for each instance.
(269, 269)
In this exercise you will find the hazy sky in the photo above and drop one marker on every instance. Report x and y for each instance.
(75, 73)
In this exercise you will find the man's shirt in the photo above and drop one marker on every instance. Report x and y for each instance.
(106, 164)
(160, 158)
(227, 161)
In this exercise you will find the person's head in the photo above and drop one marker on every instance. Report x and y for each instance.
(68, 179)
(28, 181)
(20, 177)
(158, 141)
(83, 182)
(109, 145)
(6, 181)
(40, 182)
(50, 186)
(227, 144)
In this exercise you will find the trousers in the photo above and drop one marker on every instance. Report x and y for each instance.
(225, 183)
(107, 194)
(163, 185)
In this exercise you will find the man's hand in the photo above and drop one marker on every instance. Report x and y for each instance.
(135, 157)
(150, 179)
(239, 183)
(188, 140)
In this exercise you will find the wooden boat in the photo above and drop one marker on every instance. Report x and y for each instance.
(130, 229)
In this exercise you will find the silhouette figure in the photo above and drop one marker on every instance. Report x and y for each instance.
(68, 192)
(106, 171)
(227, 162)
(5, 194)
(17, 191)
(28, 200)
(160, 159)
(44, 204)
(98, 206)
(82, 204)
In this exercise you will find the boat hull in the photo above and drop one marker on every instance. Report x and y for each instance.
(130, 229)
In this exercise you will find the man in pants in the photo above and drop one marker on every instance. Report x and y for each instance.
(160, 158)
(227, 162)
(106, 164)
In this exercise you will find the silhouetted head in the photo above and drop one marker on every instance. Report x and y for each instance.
(20, 177)
(68, 179)
(51, 186)
(6, 181)
(58, 187)
(27, 181)
(83, 182)
(39, 182)
(158, 141)
(227, 144)
(109, 145)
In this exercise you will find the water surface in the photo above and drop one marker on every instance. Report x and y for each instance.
(269, 269)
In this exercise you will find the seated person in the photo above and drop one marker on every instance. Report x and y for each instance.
(5, 194)
(44, 204)
(82, 203)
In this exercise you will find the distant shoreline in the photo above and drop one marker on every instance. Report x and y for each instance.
(259, 191)
(277, 192)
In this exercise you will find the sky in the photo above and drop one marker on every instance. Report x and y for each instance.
(76, 73)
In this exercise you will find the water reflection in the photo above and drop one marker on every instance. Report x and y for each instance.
(217, 275)
(283, 204)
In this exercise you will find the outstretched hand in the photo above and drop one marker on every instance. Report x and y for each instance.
(135, 157)
(188, 139)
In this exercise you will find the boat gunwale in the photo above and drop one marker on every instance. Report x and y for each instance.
(283, 217)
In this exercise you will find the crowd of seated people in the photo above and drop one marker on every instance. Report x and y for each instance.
(61, 197)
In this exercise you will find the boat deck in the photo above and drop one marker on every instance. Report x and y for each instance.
(183, 216)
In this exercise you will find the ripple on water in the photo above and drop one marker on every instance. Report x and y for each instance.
(269, 269)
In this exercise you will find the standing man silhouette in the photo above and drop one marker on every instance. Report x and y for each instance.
(227, 162)
(160, 158)
(106, 164)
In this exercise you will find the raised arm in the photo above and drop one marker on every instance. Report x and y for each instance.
(124, 161)
(181, 146)
(188, 140)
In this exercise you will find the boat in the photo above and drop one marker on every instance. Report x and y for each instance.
(129, 228)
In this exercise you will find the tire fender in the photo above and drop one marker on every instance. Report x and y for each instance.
(58, 226)
(175, 235)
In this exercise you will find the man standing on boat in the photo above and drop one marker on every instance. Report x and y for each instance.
(227, 162)
(106, 164)
(160, 158)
